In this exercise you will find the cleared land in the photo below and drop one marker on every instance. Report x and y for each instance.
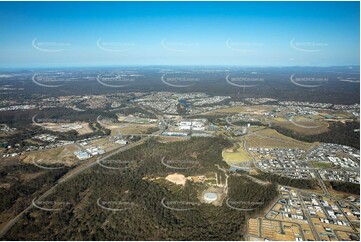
(236, 156)
(135, 128)
(270, 138)
(303, 125)
(62, 155)
(254, 109)
(80, 127)
(176, 178)
(106, 143)
(126, 128)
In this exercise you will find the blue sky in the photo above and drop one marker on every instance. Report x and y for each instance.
(40, 34)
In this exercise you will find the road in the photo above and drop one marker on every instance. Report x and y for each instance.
(227, 176)
(348, 220)
(73, 173)
(322, 184)
(277, 220)
(305, 211)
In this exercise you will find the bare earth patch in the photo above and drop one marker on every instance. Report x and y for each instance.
(80, 127)
(176, 178)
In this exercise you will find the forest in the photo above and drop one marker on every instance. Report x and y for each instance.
(346, 187)
(145, 217)
(24, 181)
(286, 181)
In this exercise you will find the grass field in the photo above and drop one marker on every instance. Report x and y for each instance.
(311, 124)
(126, 128)
(254, 109)
(303, 125)
(317, 164)
(136, 128)
(106, 143)
(238, 156)
(62, 155)
(270, 138)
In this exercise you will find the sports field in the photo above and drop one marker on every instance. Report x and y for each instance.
(236, 156)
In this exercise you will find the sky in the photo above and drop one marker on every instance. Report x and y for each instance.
(56, 34)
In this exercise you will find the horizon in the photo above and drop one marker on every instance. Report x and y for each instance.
(28, 68)
(89, 34)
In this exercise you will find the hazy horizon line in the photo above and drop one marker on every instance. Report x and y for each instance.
(178, 65)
